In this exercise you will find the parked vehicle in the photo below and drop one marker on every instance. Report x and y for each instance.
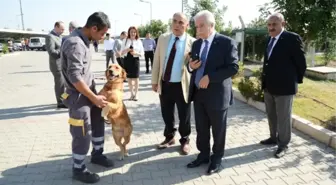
(1, 48)
(17, 45)
(37, 43)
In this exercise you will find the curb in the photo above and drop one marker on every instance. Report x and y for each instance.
(10, 54)
(317, 132)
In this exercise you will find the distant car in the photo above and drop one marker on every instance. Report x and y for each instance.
(37, 43)
(17, 46)
(1, 48)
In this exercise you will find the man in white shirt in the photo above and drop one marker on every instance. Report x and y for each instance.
(108, 48)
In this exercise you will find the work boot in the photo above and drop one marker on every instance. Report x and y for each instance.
(102, 160)
(85, 176)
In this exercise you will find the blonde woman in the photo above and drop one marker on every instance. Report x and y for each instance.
(132, 49)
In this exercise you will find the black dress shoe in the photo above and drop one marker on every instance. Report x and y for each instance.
(61, 106)
(213, 168)
(280, 152)
(102, 160)
(268, 141)
(85, 176)
(197, 163)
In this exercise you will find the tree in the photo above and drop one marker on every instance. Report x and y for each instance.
(313, 20)
(153, 28)
(212, 6)
(308, 18)
(259, 40)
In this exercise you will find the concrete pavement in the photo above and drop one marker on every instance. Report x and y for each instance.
(35, 140)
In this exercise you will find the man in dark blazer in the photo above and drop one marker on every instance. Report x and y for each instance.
(214, 61)
(284, 67)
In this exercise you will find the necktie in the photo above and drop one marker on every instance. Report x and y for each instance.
(170, 62)
(269, 47)
(200, 71)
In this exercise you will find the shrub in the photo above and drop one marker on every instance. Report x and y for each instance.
(5, 49)
(240, 71)
(250, 87)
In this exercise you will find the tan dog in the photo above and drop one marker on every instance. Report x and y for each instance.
(115, 112)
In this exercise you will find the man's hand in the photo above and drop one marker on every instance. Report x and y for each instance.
(99, 101)
(155, 87)
(204, 82)
(118, 54)
(194, 64)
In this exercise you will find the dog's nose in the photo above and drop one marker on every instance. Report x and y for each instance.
(111, 72)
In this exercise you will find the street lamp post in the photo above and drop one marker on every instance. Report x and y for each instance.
(139, 15)
(23, 28)
(150, 4)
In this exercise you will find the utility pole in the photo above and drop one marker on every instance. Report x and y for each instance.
(23, 28)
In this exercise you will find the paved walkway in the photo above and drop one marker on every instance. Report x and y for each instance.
(35, 139)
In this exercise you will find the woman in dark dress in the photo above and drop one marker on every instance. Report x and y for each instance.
(132, 50)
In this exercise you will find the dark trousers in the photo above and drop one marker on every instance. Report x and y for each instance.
(206, 117)
(279, 114)
(109, 56)
(121, 62)
(172, 94)
(86, 125)
(149, 55)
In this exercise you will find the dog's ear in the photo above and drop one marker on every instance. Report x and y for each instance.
(123, 74)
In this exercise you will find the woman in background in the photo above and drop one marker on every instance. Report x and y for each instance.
(132, 50)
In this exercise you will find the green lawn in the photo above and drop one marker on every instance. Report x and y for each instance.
(315, 101)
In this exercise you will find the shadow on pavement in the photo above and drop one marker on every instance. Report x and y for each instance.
(29, 72)
(37, 110)
(143, 162)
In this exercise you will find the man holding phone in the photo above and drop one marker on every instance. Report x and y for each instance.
(214, 61)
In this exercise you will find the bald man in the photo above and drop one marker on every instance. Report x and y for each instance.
(284, 68)
(170, 79)
(72, 26)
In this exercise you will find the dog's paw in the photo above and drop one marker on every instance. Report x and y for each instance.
(105, 112)
(126, 154)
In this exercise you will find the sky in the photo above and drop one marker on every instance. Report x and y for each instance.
(42, 14)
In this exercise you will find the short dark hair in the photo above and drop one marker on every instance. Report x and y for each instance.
(123, 33)
(58, 24)
(107, 34)
(98, 19)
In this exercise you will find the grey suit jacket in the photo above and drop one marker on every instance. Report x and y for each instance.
(53, 46)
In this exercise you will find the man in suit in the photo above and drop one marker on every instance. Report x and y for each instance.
(53, 46)
(72, 26)
(284, 67)
(170, 78)
(214, 60)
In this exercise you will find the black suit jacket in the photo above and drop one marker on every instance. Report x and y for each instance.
(286, 66)
(221, 65)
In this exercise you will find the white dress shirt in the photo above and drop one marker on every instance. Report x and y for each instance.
(137, 47)
(108, 44)
(275, 41)
(210, 39)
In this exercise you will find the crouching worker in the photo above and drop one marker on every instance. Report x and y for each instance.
(86, 123)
